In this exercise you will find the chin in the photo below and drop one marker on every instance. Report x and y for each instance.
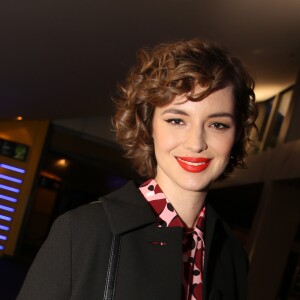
(196, 186)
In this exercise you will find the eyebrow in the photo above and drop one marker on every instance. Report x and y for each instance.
(181, 112)
(222, 114)
(174, 111)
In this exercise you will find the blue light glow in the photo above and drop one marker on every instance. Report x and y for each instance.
(7, 208)
(8, 167)
(2, 227)
(1, 247)
(5, 218)
(11, 199)
(13, 179)
(8, 188)
(3, 237)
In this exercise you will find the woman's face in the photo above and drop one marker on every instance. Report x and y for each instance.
(193, 140)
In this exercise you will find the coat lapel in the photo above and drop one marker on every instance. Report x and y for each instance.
(126, 209)
(210, 227)
(149, 255)
(150, 264)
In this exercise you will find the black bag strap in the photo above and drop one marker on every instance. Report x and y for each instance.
(112, 269)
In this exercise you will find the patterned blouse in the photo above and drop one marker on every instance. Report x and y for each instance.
(192, 243)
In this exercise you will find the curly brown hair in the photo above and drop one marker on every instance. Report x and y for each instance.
(173, 69)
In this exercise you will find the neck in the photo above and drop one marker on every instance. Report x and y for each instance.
(187, 203)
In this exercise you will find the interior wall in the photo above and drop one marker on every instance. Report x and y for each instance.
(293, 132)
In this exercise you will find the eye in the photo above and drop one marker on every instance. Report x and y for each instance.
(218, 125)
(175, 121)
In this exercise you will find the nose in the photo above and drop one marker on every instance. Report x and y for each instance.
(196, 140)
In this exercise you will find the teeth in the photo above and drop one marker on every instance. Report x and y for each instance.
(191, 163)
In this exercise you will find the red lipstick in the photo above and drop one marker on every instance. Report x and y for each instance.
(193, 164)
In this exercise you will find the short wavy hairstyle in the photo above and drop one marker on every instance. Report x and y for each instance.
(168, 70)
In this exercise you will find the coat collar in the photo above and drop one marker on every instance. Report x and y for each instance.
(126, 209)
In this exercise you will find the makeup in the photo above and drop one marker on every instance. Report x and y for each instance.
(193, 164)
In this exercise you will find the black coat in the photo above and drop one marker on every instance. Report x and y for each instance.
(73, 261)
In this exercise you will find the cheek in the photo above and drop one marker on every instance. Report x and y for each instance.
(223, 145)
(163, 141)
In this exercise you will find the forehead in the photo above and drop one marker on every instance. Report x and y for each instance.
(221, 99)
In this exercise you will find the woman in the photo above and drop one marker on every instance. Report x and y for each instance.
(184, 116)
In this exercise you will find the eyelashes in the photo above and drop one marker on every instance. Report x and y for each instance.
(175, 121)
(215, 125)
(219, 125)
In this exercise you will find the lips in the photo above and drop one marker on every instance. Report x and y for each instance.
(193, 164)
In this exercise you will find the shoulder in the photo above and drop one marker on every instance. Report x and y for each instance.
(118, 212)
(93, 217)
(89, 219)
(88, 213)
(95, 213)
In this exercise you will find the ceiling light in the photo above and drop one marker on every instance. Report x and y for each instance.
(62, 163)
